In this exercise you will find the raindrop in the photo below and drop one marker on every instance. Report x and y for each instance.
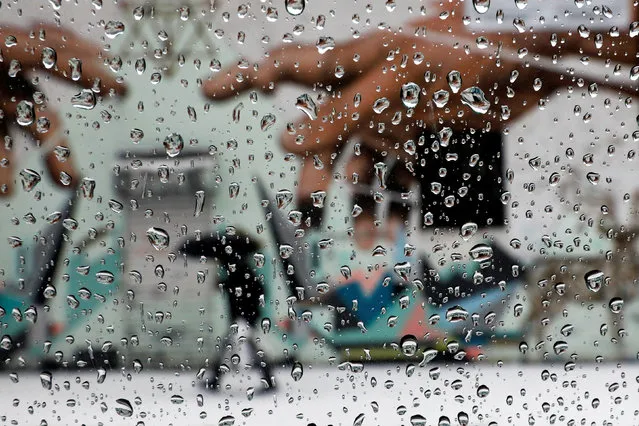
(295, 7)
(297, 371)
(380, 105)
(112, 29)
(29, 178)
(158, 238)
(324, 44)
(615, 304)
(46, 379)
(410, 95)
(593, 177)
(481, 6)
(173, 144)
(483, 391)
(283, 198)
(474, 98)
(76, 68)
(594, 280)
(267, 122)
(177, 399)
(306, 104)
(403, 270)
(104, 277)
(481, 253)
(454, 79)
(456, 314)
(199, 203)
(25, 114)
(123, 407)
(49, 57)
(468, 230)
(440, 98)
(409, 345)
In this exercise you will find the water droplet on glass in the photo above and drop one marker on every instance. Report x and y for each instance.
(297, 371)
(456, 314)
(615, 304)
(234, 189)
(84, 100)
(104, 277)
(199, 203)
(593, 177)
(594, 280)
(267, 122)
(295, 7)
(440, 98)
(49, 57)
(481, 253)
(410, 95)
(283, 198)
(481, 6)
(474, 98)
(307, 105)
(380, 105)
(123, 407)
(173, 144)
(177, 399)
(483, 391)
(467, 230)
(454, 79)
(46, 379)
(409, 345)
(158, 238)
(29, 178)
(324, 44)
(25, 114)
(112, 29)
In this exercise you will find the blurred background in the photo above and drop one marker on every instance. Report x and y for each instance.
(119, 299)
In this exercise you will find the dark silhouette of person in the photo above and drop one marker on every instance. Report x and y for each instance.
(239, 280)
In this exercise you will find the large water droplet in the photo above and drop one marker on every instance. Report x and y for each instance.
(297, 371)
(380, 105)
(283, 198)
(409, 345)
(481, 6)
(199, 203)
(307, 105)
(456, 314)
(594, 280)
(410, 94)
(158, 238)
(46, 379)
(483, 391)
(467, 230)
(474, 98)
(49, 57)
(267, 122)
(112, 29)
(123, 407)
(29, 178)
(481, 253)
(104, 277)
(324, 44)
(440, 98)
(84, 100)
(454, 79)
(295, 7)
(25, 114)
(173, 144)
